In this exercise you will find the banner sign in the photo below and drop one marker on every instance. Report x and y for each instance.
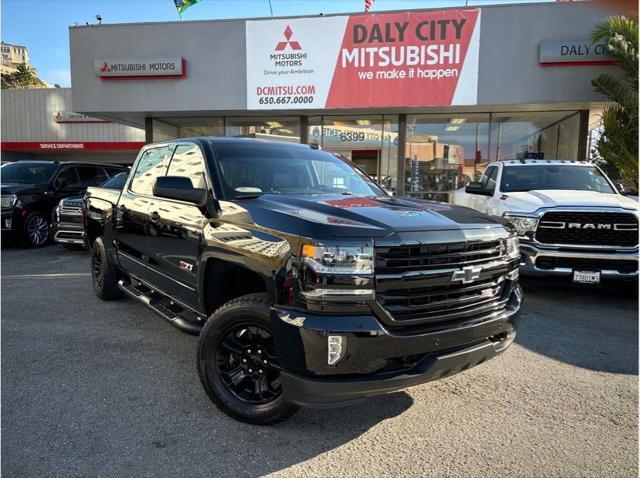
(71, 117)
(147, 68)
(360, 61)
(578, 52)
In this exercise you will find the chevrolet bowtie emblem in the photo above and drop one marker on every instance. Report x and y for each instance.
(467, 274)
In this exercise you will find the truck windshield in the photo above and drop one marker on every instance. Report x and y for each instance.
(250, 170)
(25, 172)
(549, 176)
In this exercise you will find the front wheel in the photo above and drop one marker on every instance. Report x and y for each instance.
(35, 231)
(238, 365)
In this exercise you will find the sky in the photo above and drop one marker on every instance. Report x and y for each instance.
(42, 25)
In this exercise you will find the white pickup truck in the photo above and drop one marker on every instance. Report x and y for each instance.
(570, 218)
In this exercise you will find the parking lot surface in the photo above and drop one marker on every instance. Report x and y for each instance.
(93, 388)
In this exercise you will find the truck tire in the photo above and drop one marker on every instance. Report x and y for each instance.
(104, 276)
(237, 362)
(35, 230)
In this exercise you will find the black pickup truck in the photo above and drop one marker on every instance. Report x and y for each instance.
(307, 284)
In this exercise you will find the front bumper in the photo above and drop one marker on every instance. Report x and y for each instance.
(68, 234)
(539, 261)
(378, 360)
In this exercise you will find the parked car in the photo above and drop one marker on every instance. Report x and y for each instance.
(67, 222)
(570, 218)
(308, 285)
(30, 190)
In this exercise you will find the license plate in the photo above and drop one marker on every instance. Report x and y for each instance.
(586, 277)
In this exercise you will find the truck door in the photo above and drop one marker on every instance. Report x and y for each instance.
(133, 209)
(176, 228)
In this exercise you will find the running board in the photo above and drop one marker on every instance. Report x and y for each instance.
(155, 304)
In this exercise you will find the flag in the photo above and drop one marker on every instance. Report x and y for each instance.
(368, 4)
(182, 5)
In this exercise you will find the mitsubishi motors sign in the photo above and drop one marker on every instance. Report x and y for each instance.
(140, 68)
(361, 61)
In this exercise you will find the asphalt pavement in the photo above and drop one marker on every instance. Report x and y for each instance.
(93, 388)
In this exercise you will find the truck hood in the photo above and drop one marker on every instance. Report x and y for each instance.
(531, 201)
(15, 188)
(354, 216)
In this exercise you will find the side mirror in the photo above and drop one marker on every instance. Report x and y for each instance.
(478, 188)
(179, 188)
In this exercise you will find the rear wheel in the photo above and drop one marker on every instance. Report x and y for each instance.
(238, 365)
(104, 275)
(35, 230)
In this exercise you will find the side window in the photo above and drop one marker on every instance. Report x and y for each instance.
(188, 161)
(488, 179)
(67, 178)
(152, 164)
(91, 175)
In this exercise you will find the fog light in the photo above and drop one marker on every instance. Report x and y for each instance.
(336, 346)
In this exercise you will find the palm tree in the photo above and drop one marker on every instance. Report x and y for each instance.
(23, 77)
(618, 144)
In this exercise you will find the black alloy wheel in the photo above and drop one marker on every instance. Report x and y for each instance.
(36, 230)
(238, 365)
(248, 365)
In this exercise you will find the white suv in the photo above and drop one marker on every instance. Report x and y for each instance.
(570, 218)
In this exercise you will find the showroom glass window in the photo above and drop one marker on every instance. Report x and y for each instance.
(277, 129)
(166, 129)
(555, 134)
(370, 142)
(444, 152)
(152, 164)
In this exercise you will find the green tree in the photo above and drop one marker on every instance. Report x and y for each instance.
(618, 143)
(24, 77)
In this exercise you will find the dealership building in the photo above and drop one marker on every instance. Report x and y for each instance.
(420, 99)
(41, 124)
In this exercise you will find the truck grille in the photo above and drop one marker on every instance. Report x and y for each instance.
(434, 256)
(414, 283)
(588, 228)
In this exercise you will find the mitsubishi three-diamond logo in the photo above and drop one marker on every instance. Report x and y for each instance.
(294, 45)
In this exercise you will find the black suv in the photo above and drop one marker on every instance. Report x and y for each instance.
(31, 189)
(308, 285)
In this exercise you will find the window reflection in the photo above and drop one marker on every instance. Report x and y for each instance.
(443, 152)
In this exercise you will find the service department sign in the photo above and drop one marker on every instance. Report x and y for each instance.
(147, 68)
(573, 53)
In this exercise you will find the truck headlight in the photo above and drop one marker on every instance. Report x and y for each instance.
(512, 247)
(523, 224)
(337, 272)
(8, 201)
